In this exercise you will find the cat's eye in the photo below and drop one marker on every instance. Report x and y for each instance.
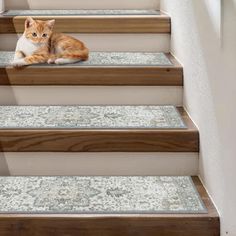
(44, 35)
(34, 35)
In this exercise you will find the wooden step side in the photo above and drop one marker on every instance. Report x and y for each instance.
(95, 75)
(94, 24)
(102, 140)
(116, 225)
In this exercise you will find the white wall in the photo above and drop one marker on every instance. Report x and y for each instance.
(207, 51)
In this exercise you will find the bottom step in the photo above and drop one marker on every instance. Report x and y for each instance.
(105, 206)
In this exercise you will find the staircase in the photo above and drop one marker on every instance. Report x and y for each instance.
(119, 116)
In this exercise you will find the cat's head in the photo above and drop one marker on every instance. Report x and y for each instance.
(38, 31)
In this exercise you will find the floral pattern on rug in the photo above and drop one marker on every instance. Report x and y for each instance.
(90, 117)
(106, 59)
(64, 194)
(78, 12)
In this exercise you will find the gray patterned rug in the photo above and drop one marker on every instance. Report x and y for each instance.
(78, 12)
(91, 195)
(108, 59)
(93, 117)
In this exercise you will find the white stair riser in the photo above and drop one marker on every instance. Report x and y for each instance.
(2, 6)
(101, 163)
(108, 42)
(82, 4)
(89, 95)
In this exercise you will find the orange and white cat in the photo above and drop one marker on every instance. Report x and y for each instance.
(39, 44)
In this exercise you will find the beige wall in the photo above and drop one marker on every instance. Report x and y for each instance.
(205, 43)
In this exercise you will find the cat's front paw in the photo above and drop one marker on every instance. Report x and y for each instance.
(18, 63)
(51, 61)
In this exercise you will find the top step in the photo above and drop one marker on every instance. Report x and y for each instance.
(88, 4)
(90, 21)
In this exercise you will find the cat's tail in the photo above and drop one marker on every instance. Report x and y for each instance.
(72, 56)
(78, 54)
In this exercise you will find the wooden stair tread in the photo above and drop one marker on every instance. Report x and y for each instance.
(206, 224)
(129, 23)
(102, 140)
(156, 74)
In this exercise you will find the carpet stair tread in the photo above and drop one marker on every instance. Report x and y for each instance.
(102, 68)
(99, 205)
(97, 128)
(90, 21)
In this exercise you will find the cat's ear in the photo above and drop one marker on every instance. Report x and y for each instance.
(29, 22)
(50, 23)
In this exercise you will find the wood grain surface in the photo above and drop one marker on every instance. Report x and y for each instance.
(94, 24)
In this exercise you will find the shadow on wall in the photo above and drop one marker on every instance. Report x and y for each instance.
(209, 20)
(196, 42)
(8, 43)
(4, 171)
(216, 53)
(7, 97)
(215, 112)
(214, 9)
(17, 4)
(209, 33)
